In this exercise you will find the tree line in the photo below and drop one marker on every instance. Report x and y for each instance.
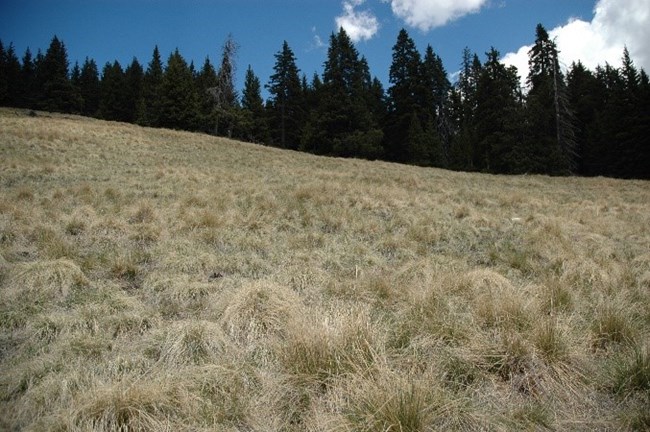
(583, 122)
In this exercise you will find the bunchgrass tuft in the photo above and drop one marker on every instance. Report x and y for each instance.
(160, 280)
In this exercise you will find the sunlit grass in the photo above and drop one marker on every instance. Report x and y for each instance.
(161, 280)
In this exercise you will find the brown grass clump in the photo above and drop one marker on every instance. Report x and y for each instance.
(259, 313)
(160, 280)
(44, 281)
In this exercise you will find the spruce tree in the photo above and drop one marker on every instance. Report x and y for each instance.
(27, 79)
(550, 146)
(3, 75)
(56, 92)
(406, 96)
(342, 122)
(89, 88)
(285, 105)
(255, 127)
(224, 94)
(436, 87)
(113, 93)
(586, 98)
(463, 105)
(133, 86)
(179, 107)
(149, 113)
(10, 79)
(206, 82)
(497, 119)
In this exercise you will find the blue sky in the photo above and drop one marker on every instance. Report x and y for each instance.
(594, 30)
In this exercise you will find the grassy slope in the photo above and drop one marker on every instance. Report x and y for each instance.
(352, 295)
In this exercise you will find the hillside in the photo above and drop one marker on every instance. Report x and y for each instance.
(161, 280)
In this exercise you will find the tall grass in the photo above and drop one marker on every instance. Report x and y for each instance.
(161, 280)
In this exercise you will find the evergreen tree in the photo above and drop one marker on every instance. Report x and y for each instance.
(586, 97)
(255, 127)
(632, 137)
(149, 113)
(205, 81)
(342, 123)
(497, 117)
(224, 93)
(10, 80)
(56, 91)
(179, 105)
(551, 146)
(27, 79)
(133, 86)
(75, 80)
(89, 88)
(3, 75)
(406, 96)
(285, 110)
(113, 94)
(436, 87)
(463, 104)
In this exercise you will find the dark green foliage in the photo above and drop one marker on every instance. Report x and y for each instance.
(179, 105)
(27, 97)
(149, 111)
(89, 88)
(497, 117)
(285, 106)
(407, 95)
(206, 80)
(133, 87)
(254, 127)
(56, 92)
(550, 145)
(342, 122)
(11, 86)
(586, 97)
(113, 95)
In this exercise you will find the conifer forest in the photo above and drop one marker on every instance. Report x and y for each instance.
(566, 121)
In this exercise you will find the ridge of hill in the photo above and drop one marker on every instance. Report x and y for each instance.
(161, 280)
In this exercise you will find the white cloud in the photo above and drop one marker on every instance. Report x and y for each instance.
(316, 41)
(616, 24)
(359, 25)
(427, 14)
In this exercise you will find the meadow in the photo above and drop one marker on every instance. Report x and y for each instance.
(157, 280)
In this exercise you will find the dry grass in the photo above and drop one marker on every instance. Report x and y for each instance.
(160, 280)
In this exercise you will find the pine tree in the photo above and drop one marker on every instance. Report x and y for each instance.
(112, 93)
(633, 139)
(133, 86)
(179, 106)
(436, 87)
(205, 80)
(75, 80)
(406, 96)
(3, 75)
(551, 144)
(10, 80)
(463, 104)
(285, 106)
(342, 122)
(255, 126)
(497, 117)
(586, 98)
(149, 113)
(27, 79)
(89, 88)
(224, 94)
(56, 92)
